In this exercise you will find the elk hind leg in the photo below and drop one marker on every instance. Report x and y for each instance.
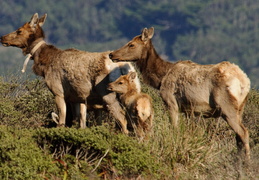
(83, 112)
(61, 105)
(242, 136)
(234, 119)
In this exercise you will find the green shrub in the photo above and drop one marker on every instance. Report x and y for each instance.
(20, 157)
(121, 154)
(7, 110)
(25, 103)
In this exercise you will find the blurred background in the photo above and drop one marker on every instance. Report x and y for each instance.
(204, 31)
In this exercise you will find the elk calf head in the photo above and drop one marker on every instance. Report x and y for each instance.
(123, 84)
(25, 35)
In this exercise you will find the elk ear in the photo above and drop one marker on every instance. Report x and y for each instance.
(147, 34)
(151, 32)
(34, 20)
(42, 20)
(132, 75)
(144, 34)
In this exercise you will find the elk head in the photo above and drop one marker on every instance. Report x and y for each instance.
(136, 48)
(25, 35)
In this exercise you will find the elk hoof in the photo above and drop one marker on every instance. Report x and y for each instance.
(61, 125)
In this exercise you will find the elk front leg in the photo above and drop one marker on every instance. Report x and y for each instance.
(172, 106)
(61, 105)
(117, 112)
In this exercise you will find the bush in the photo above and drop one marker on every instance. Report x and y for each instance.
(21, 158)
(119, 154)
(25, 103)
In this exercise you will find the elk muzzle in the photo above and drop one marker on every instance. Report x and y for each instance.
(3, 41)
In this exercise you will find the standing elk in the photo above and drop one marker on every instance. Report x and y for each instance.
(218, 90)
(71, 75)
(138, 105)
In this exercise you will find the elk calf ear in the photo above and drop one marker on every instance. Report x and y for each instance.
(42, 20)
(132, 75)
(34, 20)
(147, 34)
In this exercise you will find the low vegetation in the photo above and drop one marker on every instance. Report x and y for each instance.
(31, 147)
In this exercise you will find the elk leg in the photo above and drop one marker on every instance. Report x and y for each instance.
(172, 106)
(71, 113)
(61, 105)
(76, 112)
(233, 118)
(83, 109)
(116, 111)
(242, 135)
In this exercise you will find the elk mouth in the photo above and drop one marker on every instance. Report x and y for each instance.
(114, 59)
(5, 44)
(121, 60)
(109, 88)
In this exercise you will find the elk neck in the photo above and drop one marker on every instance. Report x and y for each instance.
(40, 56)
(36, 45)
(152, 66)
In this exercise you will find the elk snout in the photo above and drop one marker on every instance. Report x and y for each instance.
(109, 87)
(110, 55)
(2, 41)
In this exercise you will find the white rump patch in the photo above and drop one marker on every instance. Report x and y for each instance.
(236, 89)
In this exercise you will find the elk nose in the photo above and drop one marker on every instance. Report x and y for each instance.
(110, 55)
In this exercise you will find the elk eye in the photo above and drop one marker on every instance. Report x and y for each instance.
(131, 45)
(120, 83)
(18, 32)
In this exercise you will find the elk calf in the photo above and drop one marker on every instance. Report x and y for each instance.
(138, 105)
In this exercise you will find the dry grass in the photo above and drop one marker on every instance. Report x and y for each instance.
(203, 148)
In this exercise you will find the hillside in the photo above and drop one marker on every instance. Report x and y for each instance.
(203, 31)
(32, 148)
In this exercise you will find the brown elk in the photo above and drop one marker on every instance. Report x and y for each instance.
(71, 75)
(138, 105)
(218, 90)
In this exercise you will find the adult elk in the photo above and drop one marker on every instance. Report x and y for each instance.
(218, 90)
(71, 75)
